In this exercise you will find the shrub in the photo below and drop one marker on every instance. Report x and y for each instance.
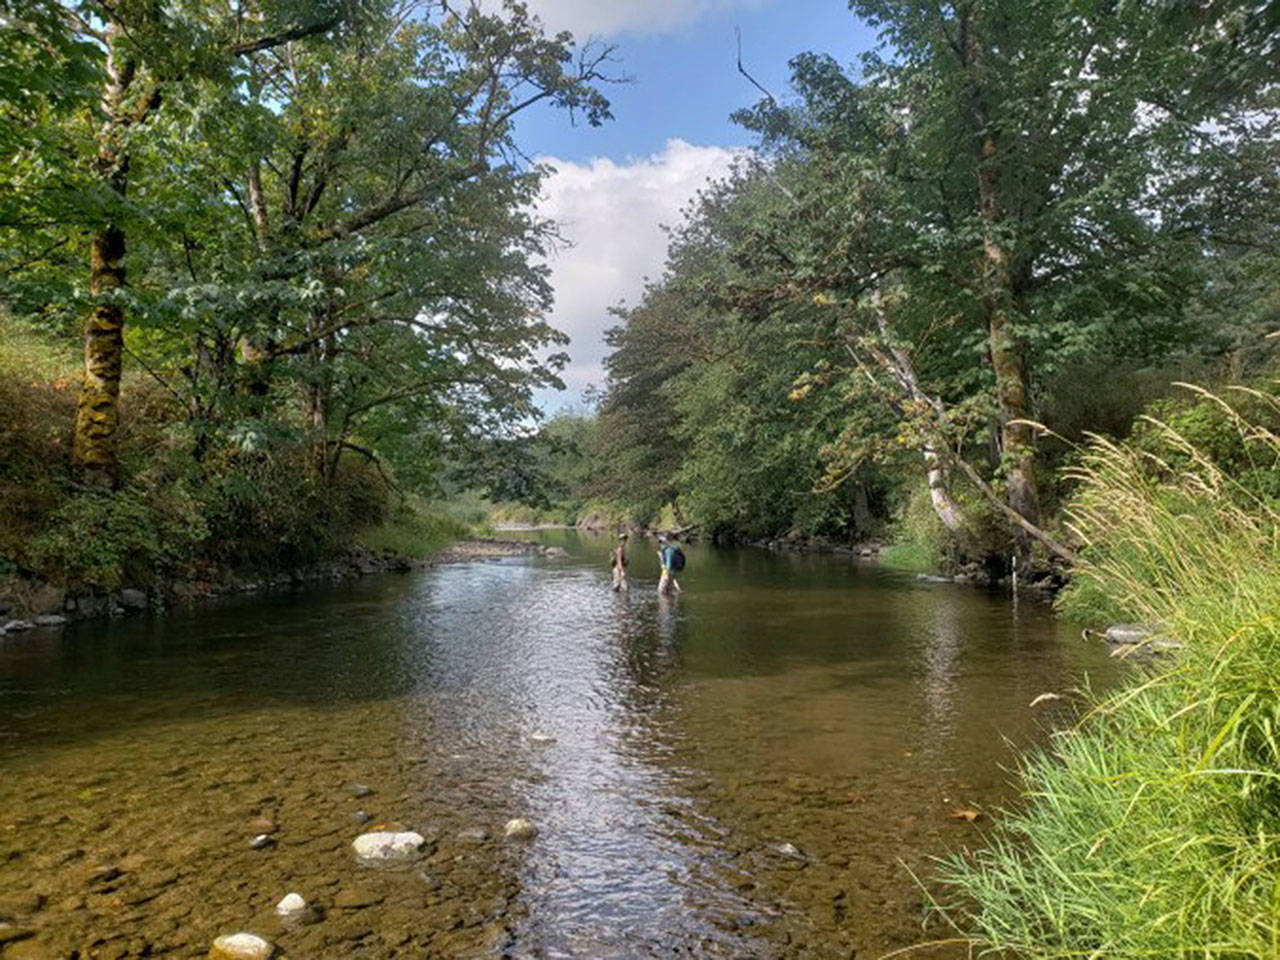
(919, 538)
(104, 539)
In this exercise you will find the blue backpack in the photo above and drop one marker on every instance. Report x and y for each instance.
(675, 558)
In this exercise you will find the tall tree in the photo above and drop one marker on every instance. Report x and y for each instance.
(1018, 169)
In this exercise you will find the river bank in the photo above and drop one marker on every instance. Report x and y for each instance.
(27, 604)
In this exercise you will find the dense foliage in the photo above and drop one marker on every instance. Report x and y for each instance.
(298, 236)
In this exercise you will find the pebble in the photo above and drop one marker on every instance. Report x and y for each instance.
(30, 950)
(291, 906)
(50, 620)
(541, 738)
(361, 817)
(13, 626)
(519, 829)
(388, 846)
(360, 790)
(19, 905)
(241, 946)
(789, 850)
(473, 835)
(261, 841)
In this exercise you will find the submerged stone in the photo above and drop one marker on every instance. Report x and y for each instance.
(241, 946)
(788, 850)
(291, 906)
(388, 846)
(10, 933)
(520, 829)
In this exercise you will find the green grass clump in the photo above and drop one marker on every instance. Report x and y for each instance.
(919, 538)
(1152, 829)
(415, 529)
(911, 557)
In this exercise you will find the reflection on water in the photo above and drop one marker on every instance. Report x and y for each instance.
(799, 700)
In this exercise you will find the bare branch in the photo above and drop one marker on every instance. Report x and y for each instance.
(280, 39)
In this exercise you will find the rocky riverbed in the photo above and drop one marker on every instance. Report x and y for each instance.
(553, 770)
(143, 845)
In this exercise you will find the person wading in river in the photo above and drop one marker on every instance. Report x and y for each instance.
(619, 564)
(671, 557)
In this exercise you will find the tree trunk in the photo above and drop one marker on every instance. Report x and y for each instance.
(93, 448)
(900, 365)
(676, 513)
(944, 505)
(98, 408)
(1017, 439)
(862, 519)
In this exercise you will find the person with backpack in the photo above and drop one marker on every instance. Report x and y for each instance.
(671, 558)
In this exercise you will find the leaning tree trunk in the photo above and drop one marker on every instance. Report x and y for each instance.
(899, 364)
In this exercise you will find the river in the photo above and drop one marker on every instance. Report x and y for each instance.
(755, 769)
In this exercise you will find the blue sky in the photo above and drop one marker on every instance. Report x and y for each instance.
(616, 186)
(685, 81)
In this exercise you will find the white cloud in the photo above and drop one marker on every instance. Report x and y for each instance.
(611, 17)
(613, 214)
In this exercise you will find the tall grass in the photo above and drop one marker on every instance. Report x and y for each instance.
(1152, 829)
(416, 529)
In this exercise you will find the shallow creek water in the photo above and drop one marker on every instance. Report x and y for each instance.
(814, 701)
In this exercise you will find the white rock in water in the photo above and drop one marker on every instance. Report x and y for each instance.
(519, 829)
(540, 737)
(1128, 633)
(388, 846)
(241, 946)
(291, 906)
(789, 850)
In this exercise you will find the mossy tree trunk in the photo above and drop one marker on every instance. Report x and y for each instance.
(98, 408)
(94, 453)
(1017, 437)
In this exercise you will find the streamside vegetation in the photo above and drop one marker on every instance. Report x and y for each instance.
(1152, 829)
(264, 268)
